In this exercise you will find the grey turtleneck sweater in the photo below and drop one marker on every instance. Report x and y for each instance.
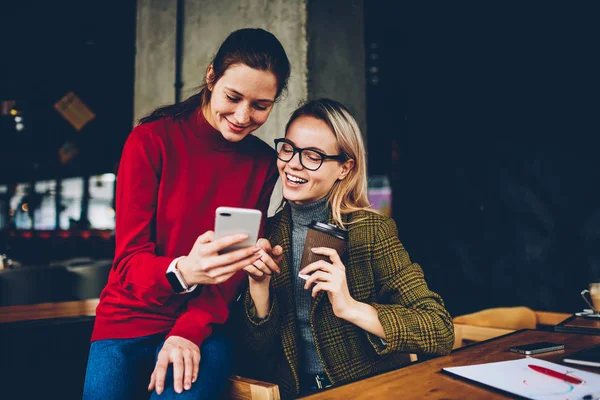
(302, 216)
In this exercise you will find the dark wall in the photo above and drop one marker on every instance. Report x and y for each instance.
(491, 112)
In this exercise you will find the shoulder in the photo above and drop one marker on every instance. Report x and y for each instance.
(149, 133)
(367, 225)
(364, 218)
(146, 142)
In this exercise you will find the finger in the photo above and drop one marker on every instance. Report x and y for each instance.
(321, 286)
(253, 272)
(152, 381)
(269, 263)
(231, 269)
(221, 260)
(206, 237)
(316, 266)
(264, 244)
(277, 250)
(326, 251)
(196, 365)
(277, 253)
(160, 371)
(319, 276)
(189, 370)
(177, 359)
(224, 242)
(256, 274)
(262, 265)
(219, 274)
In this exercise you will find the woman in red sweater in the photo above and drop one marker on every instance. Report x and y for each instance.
(168, 285)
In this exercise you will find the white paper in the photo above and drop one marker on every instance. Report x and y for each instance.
(516, 377)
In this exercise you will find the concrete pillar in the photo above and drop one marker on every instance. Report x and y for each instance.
(336, 55)
(323, 40)
(154, 56)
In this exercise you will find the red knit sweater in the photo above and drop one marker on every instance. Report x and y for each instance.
(172, 177)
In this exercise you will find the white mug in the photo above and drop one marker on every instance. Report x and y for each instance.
(594, 294)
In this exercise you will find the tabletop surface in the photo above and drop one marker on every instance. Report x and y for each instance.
(424, 380)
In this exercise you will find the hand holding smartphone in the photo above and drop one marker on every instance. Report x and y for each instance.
(235, 220)
(201, 267)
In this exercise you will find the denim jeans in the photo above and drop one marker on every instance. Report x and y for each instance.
(121, 368)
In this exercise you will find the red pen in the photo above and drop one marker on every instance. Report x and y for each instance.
(555, 374)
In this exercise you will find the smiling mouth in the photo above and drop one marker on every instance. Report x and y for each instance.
(234, 127)
(295, 180)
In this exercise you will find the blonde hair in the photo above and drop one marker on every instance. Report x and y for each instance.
(349, 194)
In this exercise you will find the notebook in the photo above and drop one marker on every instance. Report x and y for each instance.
(517, 378)
(589, 357)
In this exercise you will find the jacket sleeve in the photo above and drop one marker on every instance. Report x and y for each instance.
(413, 317)
(136, 264)
(212, 305)
(260, 336)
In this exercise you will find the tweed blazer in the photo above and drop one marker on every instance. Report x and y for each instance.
(380, 273)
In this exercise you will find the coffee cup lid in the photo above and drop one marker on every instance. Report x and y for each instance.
(329, 229)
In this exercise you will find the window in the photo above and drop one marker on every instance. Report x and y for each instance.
(19, 208)
(101, 212)
(3, 205)
(72, 193)
(44, 215)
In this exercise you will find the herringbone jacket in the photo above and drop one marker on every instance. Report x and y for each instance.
(380, 273)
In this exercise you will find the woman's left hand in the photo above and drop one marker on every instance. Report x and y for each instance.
(330, 277)
(185, 357)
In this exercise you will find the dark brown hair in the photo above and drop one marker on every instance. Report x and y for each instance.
(254, 47)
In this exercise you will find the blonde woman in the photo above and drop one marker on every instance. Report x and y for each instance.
(361, 312)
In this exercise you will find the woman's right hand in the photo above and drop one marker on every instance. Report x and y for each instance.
(205, 266)
(259, 275)
(260, 270)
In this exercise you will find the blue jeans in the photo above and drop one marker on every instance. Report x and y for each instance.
(121, 368)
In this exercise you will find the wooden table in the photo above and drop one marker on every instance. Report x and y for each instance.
(29, 312)
(424, 380)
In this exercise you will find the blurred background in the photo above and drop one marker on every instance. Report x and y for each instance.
(481, 120)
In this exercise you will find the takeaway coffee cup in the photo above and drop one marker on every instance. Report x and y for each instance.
(321, 234)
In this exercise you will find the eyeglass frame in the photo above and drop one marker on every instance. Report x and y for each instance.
(338, 157)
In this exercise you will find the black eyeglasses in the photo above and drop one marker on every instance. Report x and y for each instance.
(309, 158)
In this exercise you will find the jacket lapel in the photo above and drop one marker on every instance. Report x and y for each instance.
(282, 285)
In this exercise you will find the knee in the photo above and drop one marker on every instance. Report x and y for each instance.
(217, 348)
(217, 344)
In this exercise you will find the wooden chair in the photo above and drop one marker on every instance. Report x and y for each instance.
(240, 388)
(493, 322)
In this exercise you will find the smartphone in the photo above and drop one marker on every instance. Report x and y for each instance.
(233, 220)
(536, 348)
